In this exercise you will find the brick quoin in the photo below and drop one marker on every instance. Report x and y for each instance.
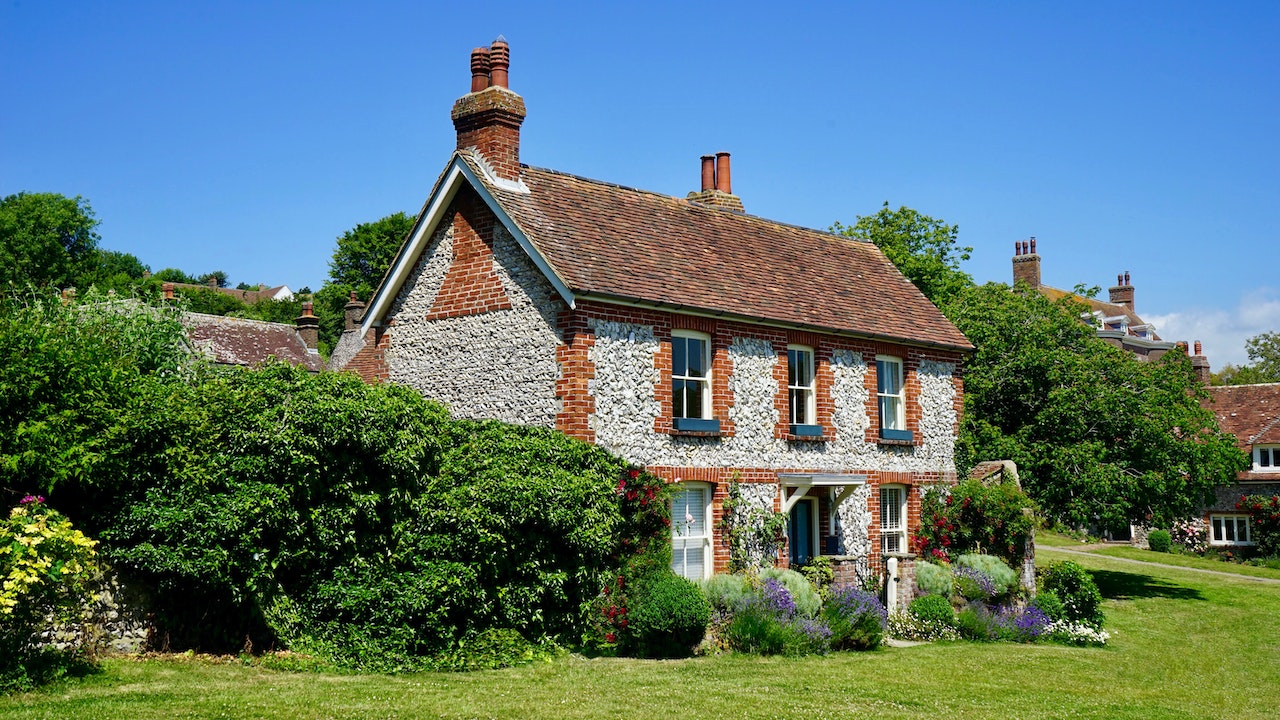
(471, 286)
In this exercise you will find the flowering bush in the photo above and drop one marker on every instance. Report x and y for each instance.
(973, 584)
(906, 626)
(45, 570)
(1001, 576)
(856, 617)
(1190, 534)
(768, 623)
(1264, 517)
(1069, 633)
(978, 622)
(972, 517)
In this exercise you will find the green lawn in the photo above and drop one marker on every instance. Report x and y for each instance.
(1185, 645)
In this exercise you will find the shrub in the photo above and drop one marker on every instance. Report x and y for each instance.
(933, 578)
(1024, 625)
(726, 593)
(819, 573)
(995, 519)
(806, 599)
(906, 626)
(1077, 591)
(47, 567)
(1047, 602)
(668, 618)
(1159, 541)
(856, 617)
(975, 622)
(1189, 535)
(1001, 576)
(770, 625)
(1264, 517)
(934, 610)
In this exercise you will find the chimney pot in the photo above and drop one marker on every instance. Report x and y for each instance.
(499, 61)
(1199, 351)
(1033, 244)
(306, 309)
(213, 281)
(722, 173)
(1126, 277)
(708, 173)
(354, 312)
(308, 327)
(167, 288)
(479, 69)
(1120, 278)
(1017, 248)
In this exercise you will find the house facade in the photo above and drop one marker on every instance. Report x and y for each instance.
(705, 344)
(1252, 414)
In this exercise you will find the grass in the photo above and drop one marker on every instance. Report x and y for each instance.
(1185, 645)
(1189, 561)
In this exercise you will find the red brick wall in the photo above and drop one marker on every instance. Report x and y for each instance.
(472, 285)
(370, 363)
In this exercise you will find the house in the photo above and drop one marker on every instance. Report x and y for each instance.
(1252, 414)
(248, 297)
(1116, 320)
(703, 343)
(248, 343)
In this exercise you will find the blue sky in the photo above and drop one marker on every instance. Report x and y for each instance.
(246, 136)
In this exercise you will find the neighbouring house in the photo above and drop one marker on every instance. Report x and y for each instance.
(249, 343)
(1116, 320)
(687, 336)
(248, 297)
(1252, 414)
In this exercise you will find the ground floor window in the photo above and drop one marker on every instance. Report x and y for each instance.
(893, 519)
(1229, 530)
(691, 531)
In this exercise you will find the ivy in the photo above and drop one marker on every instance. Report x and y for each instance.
(753, 533)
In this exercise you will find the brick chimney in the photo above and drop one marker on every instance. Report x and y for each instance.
(1200, 364)
(717, 190)
(167, 288)
(1026, 263)
(1122, 293)
(354, 310)
(309, 328)
(488, 118)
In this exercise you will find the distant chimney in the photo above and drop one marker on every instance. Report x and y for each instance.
(213, 282)
(488, 118)
(1026, 263)
(309, 327)
(717, 189)
(1122, 293)
(1200, 364)
(168, 290)
(354, 310)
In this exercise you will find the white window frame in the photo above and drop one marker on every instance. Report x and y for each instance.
(685, 537)
(899, 419)
(898, 530)
(808, 392)
(704, 380)
(1218, 529)
(1268, 453)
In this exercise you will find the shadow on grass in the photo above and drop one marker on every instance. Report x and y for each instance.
(1127, 586)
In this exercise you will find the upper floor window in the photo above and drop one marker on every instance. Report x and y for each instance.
(800, 386)
(893, 519)
(690, 374)
(893, 423)
(1266, 458)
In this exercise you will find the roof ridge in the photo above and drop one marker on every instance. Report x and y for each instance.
(1265, 428)
(1245, 385)
(240, 319)
(687, 201)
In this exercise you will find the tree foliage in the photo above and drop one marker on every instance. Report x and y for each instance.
(362, 256)
(1098, 436)
(925, 250)
(1263, 365)
(46, 239)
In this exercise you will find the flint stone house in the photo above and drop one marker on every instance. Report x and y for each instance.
(1252, 414)
(688, 337)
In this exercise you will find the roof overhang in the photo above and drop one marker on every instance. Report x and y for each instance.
(457, 175)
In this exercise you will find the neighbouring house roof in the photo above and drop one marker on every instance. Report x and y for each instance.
(1250, 412)
(237, 341)
(596, 240)
(1095, 305)
(248, 297)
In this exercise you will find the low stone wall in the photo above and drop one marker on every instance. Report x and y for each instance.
(118, 621)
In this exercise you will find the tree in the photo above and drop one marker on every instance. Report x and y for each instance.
(46, 239)
(1099, 437)
(1263, 366)
(924, 249)
(218, 275)
(360, 260)
(119, 271)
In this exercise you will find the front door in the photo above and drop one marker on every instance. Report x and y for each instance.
(800, 531)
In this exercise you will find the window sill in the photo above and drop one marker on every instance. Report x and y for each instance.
(805, 433)
(695, 426)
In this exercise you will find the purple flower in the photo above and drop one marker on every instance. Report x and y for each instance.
(32, 499)
(815, 630)
(777, 599)
(853, 602)
(1026, 624)
(981, 581)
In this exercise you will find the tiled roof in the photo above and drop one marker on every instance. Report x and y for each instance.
(237, 341)
(1096, 305)
(633, 245)
(1250, 412)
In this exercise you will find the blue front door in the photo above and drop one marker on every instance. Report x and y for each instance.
(800, 532)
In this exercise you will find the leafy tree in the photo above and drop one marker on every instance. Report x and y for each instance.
(1263, 366)
(361, 258)
(174, 275)
(218, 275)
(1098, 436)
(46, 239)
(923, 249)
